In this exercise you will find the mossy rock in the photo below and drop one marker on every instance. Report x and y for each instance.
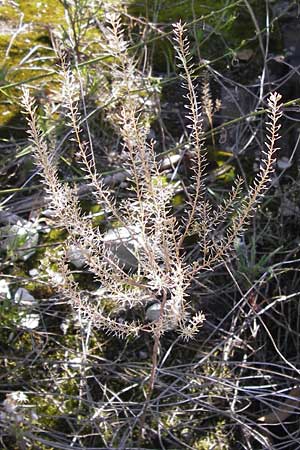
(35, 34)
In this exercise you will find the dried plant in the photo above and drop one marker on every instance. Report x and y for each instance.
(129, 88)
(209, 107)
(163, 275)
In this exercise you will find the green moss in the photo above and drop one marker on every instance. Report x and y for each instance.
(9, 313)
(38, 17)
(42, 11)
(39, 290)
(8, 12)
(161, 180)
(217, 439)
(178, 200)
(56, 235)
(20, 49)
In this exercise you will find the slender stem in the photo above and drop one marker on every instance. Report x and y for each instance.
(152, 378)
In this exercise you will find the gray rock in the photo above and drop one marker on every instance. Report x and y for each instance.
(153, 312)
(123, 246)
(24, 298)
(76, 256)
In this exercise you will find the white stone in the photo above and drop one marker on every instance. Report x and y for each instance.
(33, 272)
(20, 240)
(30, 321)
(64, 326)
(75, 363)
(4, 290)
